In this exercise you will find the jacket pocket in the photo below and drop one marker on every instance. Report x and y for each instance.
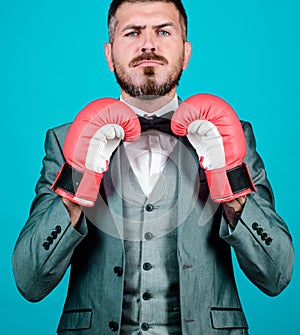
(75, 320)
(228, 318)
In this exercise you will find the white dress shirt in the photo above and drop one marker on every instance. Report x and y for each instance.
(149, 155)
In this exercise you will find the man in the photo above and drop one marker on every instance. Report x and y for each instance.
(150, 252)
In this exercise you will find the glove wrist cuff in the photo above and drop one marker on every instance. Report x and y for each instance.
(226, 185)
(240, 180)
(79, 187)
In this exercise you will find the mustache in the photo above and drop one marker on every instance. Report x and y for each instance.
(148, 56)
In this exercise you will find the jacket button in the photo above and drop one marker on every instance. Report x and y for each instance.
(118, 271)
(147, 266)
(113, 326)
(145, 326)
(54, 234)
(46, 245)
(268, 241)
(146, 296)
(255, 225)
(263, 236)
(259, 231)
(50, 239)
(58, 229)
(149, 208)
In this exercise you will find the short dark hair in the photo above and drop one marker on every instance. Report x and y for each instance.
(115, 4)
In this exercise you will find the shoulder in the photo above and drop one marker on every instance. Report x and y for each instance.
(60, 131)
(247, 126)
(56, 136)
(248, 132)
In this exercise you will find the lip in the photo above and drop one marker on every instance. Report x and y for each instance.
(148, 63)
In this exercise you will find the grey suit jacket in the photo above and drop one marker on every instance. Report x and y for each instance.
(48, 245)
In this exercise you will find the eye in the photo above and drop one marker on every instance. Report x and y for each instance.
(132, 34)
(163, 33)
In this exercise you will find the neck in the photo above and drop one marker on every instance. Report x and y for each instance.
(149, 104)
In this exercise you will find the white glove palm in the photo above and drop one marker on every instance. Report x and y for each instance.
(102, 145)
(207, 141)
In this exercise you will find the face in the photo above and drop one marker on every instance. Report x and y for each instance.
(148, 53)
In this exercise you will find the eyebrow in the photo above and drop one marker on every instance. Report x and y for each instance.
(138, 27)
(167, 24)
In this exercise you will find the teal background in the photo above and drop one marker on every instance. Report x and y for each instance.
(52, 64)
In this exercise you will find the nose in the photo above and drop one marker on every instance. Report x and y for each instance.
(148, 43)
(148, 50)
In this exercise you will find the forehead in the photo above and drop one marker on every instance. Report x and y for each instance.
(147, 13)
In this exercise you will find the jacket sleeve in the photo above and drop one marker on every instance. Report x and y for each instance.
(46, 243)
(261, 240)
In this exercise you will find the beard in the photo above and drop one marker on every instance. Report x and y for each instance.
(149, 88)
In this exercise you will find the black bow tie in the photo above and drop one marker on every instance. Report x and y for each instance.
(161, 123)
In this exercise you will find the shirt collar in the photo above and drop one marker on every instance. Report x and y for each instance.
(170, 106)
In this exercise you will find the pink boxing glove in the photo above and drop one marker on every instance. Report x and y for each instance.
(92, 138)
(216, 133)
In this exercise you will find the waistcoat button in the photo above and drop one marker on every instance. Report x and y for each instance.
(118, 271)
(149, 208)
(148, 236)
(113, 325)
(147, 266)
(147, 296)
(145, 326)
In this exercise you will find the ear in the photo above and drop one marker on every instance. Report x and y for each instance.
(187, 54)
(108, 55)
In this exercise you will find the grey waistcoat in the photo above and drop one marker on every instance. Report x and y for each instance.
(151, 289)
